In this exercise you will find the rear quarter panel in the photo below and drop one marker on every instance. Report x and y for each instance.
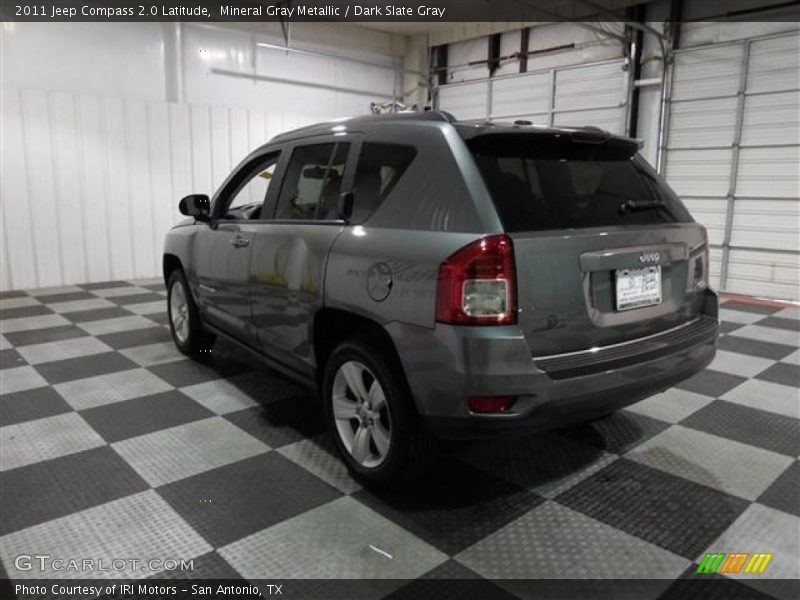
(439, 205)
(389, 275)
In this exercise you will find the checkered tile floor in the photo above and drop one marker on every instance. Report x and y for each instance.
(115, 445)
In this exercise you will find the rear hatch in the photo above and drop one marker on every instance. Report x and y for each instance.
(605, 252)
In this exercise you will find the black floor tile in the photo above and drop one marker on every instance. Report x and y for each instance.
(31, 404)
(67, 297)
(617, 433)
(671, 512)
(185, 372)
(451, 581)
(104, 285)
(98, 314)
(728, 326)
(189, 372)
(784, 493)
(751, 308)
(138, 299)
(10, 358)
(71, 369)
(711, 383)
(155, 287)
(780, 323)
(127, 419)
(42, 336)
(532, 461)
(454, 506)
(758, 348)
(231, 502)
(136, 337)
(783, 373)
(160, 318)
(24, 311)
(767, 430)
(12, 294)
(61, 486)
(282, 421)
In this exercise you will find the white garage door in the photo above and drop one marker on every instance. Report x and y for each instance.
(591, 94)
(733, 155)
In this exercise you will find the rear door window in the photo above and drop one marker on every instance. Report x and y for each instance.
(380, 167)
(540, 182)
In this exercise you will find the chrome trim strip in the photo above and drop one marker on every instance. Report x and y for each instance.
(599, 349)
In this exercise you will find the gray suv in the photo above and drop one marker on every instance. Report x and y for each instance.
(435, 278)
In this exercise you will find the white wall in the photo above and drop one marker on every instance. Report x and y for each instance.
(106, 126)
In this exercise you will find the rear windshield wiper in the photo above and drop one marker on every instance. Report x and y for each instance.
(633, 205)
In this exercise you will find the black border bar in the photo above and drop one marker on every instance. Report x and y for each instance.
(355, 11)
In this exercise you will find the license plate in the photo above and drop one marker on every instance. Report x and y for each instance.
(638, 287)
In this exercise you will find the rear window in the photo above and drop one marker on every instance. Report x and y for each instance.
(549, 182)
(380, 167)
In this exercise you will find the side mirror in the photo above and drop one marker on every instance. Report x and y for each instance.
(196, 205)
(345, 206)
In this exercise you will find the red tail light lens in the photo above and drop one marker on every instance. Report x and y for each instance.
(490, 404)
(477, 284)
(700, 266)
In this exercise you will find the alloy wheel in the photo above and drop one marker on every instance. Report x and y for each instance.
(179, 311)
(361, 414)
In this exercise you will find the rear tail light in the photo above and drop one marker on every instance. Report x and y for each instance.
(477, 284)
(491, 404)
(700, 266)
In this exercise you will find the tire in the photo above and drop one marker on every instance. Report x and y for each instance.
(184, 321)
(383, 443)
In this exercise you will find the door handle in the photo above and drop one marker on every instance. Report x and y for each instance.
(239, 242)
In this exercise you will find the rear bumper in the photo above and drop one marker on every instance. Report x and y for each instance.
(455, 363)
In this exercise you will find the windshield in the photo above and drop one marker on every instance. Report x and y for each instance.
(553, 182)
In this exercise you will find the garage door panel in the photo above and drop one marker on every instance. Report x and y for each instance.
(609, 119)
(521, 95)
(763, 273)
(774, 64)
(765, 220)
(715, 267)
(591, 86)
(699, 172)
(711, 213)
(766, 224)
(465, 101)
(702, 123)
(771, 119)
(707, 73)
(769, 172)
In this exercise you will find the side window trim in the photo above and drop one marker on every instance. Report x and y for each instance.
(270, 205)
(326, 179)
(229, 189)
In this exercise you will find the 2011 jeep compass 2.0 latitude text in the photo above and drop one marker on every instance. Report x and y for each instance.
(437, 278)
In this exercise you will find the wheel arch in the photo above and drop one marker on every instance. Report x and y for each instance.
(332, 326)
(170, 264)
